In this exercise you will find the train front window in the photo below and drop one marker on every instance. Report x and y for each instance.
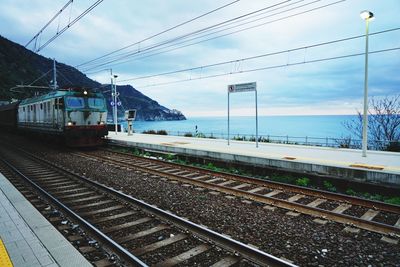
(96, 102)
(75, 102)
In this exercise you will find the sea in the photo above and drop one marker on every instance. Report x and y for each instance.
(283, 127)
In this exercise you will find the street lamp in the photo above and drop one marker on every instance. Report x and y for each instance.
(367, 16)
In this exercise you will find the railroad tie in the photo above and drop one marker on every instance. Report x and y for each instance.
(84, 199)
(112, 217)
(341, 208)
(295, 198)
(89, 213)
(226, 262)
(150, 231)
(273, 193)
(99, 203)
(397, 224)
(159, 244)
(183, 256)
(214, 180)
(179, 173)
(257, 189)
(227, 183)
(126, 225)
(370, 214)
(240, 186)
(200, 177)
(316, 202)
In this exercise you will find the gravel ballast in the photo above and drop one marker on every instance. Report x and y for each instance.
(298, 239)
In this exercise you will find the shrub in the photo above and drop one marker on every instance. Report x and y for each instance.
(162, 132)
(200, 135)
(188, 135)
(350, 192)
(393, 200)
(393, 147)
(303, 181)
(149, 132)
(329, 186)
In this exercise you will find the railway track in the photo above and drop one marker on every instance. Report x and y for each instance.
(140, 234)
(353, 212)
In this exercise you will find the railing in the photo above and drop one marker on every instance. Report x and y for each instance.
(347, 142)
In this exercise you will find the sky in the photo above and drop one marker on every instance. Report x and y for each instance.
(299, 82)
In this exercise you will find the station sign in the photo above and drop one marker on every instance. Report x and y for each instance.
(242, 87)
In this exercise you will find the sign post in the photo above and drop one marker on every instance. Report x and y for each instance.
(239, 88)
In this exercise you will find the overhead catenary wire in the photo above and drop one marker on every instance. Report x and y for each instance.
(70, 24)
(141, 56)
(260, 56)
(160, 33)
(174, 39)
(273, 67)
(49, 22)
(151, 49)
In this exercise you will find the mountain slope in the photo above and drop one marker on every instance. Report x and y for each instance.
(19, 65)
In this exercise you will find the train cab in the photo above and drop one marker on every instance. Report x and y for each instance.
(78, 115)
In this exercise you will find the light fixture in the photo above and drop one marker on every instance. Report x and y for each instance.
(367, 15)
(85, 92)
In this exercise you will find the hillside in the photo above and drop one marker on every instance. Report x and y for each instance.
(19, 65)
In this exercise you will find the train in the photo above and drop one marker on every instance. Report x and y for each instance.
(75, 115)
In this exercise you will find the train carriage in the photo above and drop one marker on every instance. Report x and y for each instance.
(77, 115)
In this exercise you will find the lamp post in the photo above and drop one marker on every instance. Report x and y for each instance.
(367, 16)
(115, 94)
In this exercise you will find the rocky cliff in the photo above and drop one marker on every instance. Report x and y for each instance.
(19, 65)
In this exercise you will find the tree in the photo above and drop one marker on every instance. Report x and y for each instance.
(383, 123)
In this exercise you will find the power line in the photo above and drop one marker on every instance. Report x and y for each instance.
(70, 24)
(151, 49)
(49, 22)
(273, 67)
(260, 56)
(184, 36)
(160, 33)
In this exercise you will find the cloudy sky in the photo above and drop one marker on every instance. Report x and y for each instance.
(301, 81)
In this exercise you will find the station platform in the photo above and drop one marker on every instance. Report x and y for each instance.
(378, 167)
(28, 238)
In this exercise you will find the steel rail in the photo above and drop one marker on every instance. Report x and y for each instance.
(277, 185)
(122, 251)
(313, 211)
(260, 257)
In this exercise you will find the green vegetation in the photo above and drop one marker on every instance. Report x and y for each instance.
(303, 181)
(188, 135)
(393, 200)
(288, 179)
(159, 132)
(350, 192)
(329, 186)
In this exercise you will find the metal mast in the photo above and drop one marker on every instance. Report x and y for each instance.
(55, 86)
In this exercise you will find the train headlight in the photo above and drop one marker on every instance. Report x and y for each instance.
(101, 122)
(69, 123)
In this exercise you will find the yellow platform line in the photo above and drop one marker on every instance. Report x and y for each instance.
(5, 260)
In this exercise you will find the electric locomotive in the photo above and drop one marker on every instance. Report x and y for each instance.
(76, 115)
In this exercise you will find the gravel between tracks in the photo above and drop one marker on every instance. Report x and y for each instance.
(298, 239)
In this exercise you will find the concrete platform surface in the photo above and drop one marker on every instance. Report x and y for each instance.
(29, 238)
(376, 167)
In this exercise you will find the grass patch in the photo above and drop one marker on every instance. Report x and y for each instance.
(329, 186)
(303, 182)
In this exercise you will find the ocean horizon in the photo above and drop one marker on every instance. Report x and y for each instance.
(316, 126)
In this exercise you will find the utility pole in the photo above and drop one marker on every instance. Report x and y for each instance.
(55, 86)
(114, 95)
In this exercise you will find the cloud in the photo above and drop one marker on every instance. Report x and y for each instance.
(325, 87)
